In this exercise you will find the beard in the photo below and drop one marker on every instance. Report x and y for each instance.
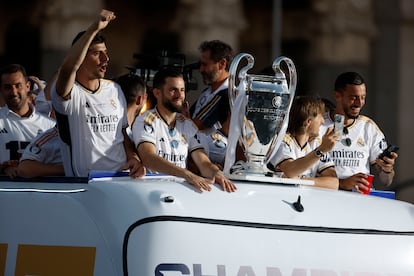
(350, 115)
(210, 78)
(16, 103)
(171, 107)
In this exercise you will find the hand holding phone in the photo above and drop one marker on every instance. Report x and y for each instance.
(388, 150)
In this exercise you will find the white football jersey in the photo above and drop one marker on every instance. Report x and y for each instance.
(172, 144)
(45, 148)
(290, 150)
(215, 145)
(17, 132)
(90, 126)
(358, 149)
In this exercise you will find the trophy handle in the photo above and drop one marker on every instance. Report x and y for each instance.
(292, 73)
(291, 87)
(233, 89)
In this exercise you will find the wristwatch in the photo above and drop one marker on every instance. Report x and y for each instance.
(318, 153)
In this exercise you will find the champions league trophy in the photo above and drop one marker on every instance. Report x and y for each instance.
(260, 111)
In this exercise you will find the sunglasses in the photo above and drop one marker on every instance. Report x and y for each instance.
(347, 141)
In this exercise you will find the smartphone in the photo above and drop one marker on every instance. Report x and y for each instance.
(388, 150)
(339, 123)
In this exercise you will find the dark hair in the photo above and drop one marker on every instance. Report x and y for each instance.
(329, 105)
(13, 68)
(132, 85)
(163, 74)
(346, 78)
(302, 108)
(218, 50)
(99, 38)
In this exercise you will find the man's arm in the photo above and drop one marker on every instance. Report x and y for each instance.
(31, 168)
(210, 170)
(327, 179)
(67, 72)
(384, 169)
(294, 167)
(134, 163)
(152, 161)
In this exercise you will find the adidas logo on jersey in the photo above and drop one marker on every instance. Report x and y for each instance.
(4, 130)
(87, 105)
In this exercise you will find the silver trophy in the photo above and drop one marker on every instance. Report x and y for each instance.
(260, 110)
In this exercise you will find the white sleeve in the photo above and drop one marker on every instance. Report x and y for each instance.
(284, 152)
(142, 131)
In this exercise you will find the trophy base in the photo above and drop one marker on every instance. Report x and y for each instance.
(255, 172)
(270, 179)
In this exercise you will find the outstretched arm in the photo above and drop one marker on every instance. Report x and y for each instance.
(327, 179)
(76, 55)
(152, 161)
(210, 170)
(33, 168)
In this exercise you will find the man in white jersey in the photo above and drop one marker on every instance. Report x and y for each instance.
(42, 156)
(90, 110)
(164, 137)
(215, 144)
(135, 91)
(302, 154)
(212, 106)
(19, 121)
(356, 154)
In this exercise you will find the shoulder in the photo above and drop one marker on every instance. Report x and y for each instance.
(186, 121)
(46, 136)
(111, 85)
(149, 117)
(288, 139)
(107, 82)
(362, 119)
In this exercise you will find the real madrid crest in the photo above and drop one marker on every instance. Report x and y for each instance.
(113, 104)
(360, 142)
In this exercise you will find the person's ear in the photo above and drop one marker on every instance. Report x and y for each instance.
(139, 100)
(156, 92)
(28, 84)
(307, 122)
(337, 95)
(222, 64)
